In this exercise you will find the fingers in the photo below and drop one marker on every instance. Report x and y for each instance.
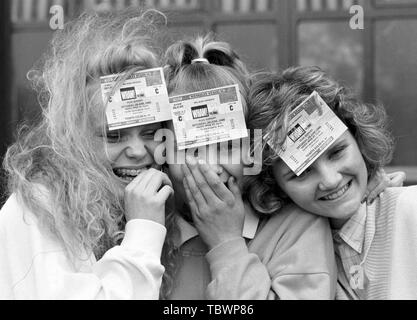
(234, 188)
(374, 182)
(149, 182)
(200, 180)
(397, 179)
(165, 193)
(157, 180)
(139, 182)
(376, 186)
(214, 182)
(375, 193)
(380, 183)
(383, 181)
(192, 187)
(191, 202)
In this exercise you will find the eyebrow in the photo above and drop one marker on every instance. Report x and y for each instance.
(288, 175)
(338, 144)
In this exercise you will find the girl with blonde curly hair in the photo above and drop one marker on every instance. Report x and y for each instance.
(224, 248)
(86, 213)
(374, 240)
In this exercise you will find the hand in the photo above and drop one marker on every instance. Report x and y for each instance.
(144, 197)
(218, 212)
(397, 179)
(380, 182)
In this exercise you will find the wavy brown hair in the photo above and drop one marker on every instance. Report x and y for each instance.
(273, 96)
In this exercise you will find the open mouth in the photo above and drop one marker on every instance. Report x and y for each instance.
(129, 175)
(338, 194)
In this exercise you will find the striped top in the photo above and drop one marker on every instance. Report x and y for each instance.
(376, 250)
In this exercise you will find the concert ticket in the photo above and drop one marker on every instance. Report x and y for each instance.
(142, 99)
(207, 117)
(313, 128)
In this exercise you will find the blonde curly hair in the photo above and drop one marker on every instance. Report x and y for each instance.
(58, 167)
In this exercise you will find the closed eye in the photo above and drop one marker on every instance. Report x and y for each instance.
(113, 136)
(336, 152)
(303, 175)
(149, 134)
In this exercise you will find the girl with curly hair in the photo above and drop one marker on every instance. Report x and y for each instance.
(86, 214)
(226, 249)
(374, 241)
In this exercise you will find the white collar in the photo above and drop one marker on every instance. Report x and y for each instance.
(353, 232)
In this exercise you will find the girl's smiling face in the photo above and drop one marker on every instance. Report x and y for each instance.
(131, 150)
(333, 186)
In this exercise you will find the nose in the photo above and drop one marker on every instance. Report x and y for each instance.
(330, 178)
(136, 148)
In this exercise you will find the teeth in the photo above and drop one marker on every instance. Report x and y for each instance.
(128, 173)
(129, 179)
(338, 194)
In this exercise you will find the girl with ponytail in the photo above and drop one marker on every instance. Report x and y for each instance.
(86, 214)
(223, 248)
(372, 216)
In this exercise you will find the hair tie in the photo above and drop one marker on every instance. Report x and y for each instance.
(200, 60)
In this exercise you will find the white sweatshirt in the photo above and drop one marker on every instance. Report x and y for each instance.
(33, 264)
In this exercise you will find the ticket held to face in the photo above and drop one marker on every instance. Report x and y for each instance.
(207, 117)
(142, 99)
(313, 128)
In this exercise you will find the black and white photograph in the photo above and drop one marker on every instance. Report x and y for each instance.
(208, 150)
